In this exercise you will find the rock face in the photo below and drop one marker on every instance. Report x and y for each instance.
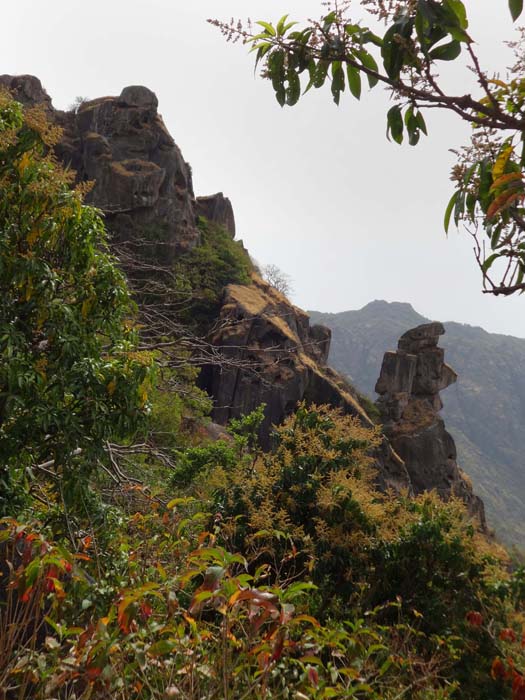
(141, 181)
(275, 357)
(26, 89)
(217, 208)
(409, 385)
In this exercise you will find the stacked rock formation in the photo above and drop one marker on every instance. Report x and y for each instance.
(409, 387)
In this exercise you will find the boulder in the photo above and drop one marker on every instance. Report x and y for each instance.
(139, 96)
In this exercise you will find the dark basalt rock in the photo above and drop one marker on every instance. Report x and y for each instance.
(26, 89)
(217, 208)
(141, 181)
(409, 385)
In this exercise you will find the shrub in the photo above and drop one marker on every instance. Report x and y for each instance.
(310, 509)
(205, 270)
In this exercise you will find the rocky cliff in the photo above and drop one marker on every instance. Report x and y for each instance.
(144, 187)
(409, 401)
(279, 359)
(140, 179)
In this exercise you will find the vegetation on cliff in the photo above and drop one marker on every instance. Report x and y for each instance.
(71, 375)
(141, 560)
(204, 271)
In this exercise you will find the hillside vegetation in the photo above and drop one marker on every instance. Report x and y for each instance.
(142, 558)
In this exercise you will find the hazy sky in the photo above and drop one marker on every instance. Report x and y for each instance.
(316, 189)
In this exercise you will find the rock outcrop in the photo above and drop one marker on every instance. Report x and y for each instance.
(141, 181)
(409, 387)
(26, 89)
(275, 357)
(217, 208)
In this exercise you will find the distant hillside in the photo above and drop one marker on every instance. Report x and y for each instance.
(484, 411)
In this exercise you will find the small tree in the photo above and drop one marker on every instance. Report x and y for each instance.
(77, 103)
(71, 377)
(420, 34)
(277, 279)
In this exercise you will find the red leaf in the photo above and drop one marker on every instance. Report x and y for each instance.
(475, 618)
(93, 673)
(313, 676)
(146, 610)
(518, 687)
(278, 648)
(507, 635)
(26, 595)
(497, 670)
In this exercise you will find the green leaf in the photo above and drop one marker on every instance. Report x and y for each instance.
(392, 51)
(281, 25)
(352, 29)
(421, 123)
(161, 648)
(459, 34)
(516, 8)
(413, 137)
(312, 70)
(369, 62)
(450, 208)
(395, 124)
(330, 18)
(321, 71)
(354, 81)
(458, 9)
(269, 28)
(460, 206)
(369, 37)
(293, 92)
(446, 52)
(488, 262)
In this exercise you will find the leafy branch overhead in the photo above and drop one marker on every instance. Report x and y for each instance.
(420, 35)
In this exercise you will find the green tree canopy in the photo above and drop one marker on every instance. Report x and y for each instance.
(70, 374)
(419, 36)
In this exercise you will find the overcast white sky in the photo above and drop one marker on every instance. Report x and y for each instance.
(316, 189)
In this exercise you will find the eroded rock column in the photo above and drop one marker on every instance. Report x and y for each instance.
(409, 389)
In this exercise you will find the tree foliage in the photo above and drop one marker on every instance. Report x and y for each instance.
(420, 35)
(282, 575)
(71, 376)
